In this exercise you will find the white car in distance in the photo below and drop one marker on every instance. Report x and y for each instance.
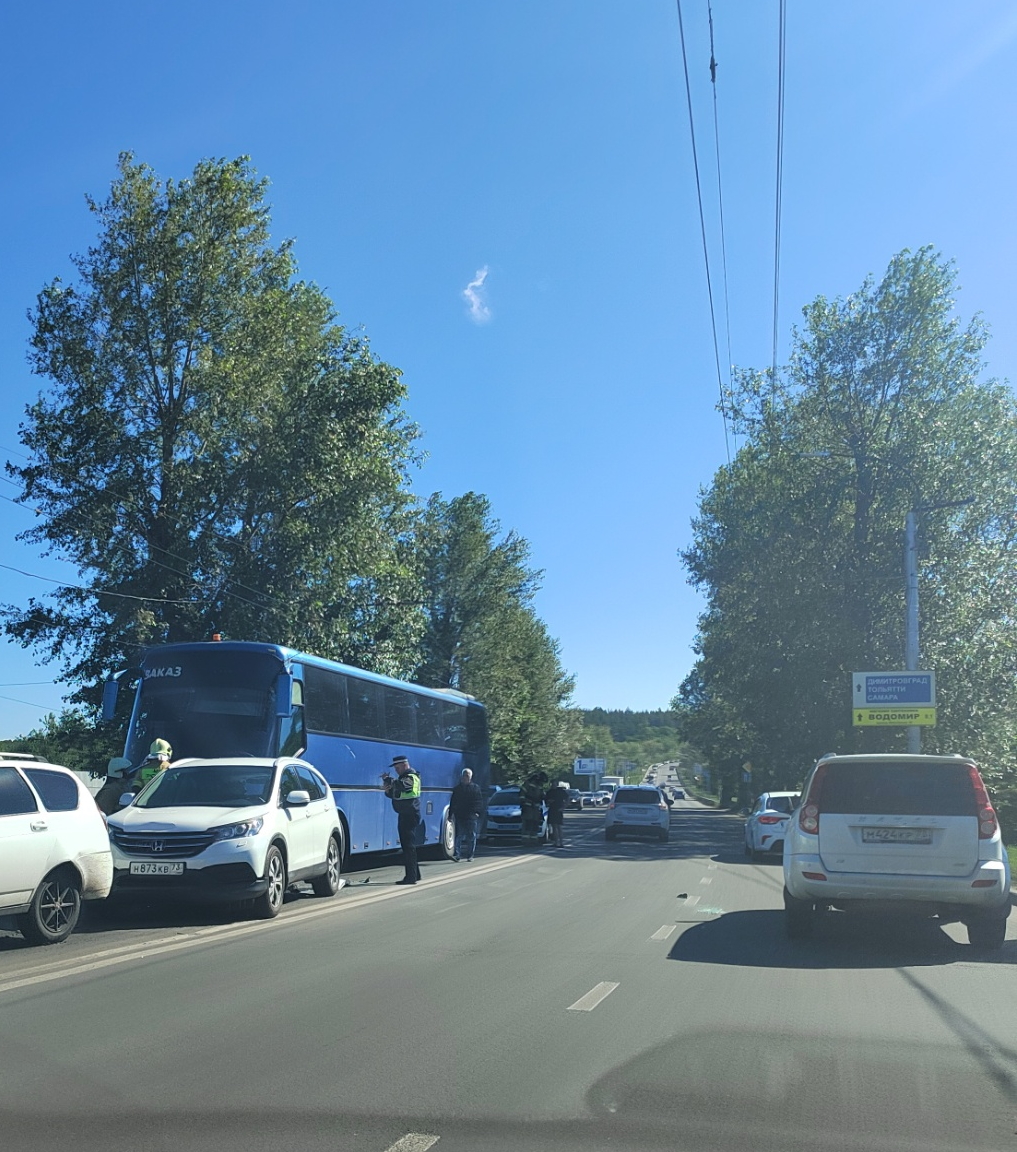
(54, 851)
(229, 830)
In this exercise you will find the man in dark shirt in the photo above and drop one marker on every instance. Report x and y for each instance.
(467, 806)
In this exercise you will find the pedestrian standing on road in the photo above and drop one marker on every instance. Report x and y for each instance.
(531, 798)
(555, 798)
(467, 806)
(404, 792)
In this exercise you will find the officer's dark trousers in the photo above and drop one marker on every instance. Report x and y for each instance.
(408, 842)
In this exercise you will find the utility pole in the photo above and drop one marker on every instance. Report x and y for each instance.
(911, 655)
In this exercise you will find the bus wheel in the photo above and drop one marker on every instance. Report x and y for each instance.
(448, 837)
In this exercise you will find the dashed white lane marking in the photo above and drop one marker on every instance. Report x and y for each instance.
(592, 998)
(664, 931)
(712, 867)
(414, 1142)
(706, 880)
(692, 901)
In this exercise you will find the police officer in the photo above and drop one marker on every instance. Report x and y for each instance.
(404, 792)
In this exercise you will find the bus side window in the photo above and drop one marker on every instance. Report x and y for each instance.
(455, 724)
(365, 708)
(400, 716)
(429, 722)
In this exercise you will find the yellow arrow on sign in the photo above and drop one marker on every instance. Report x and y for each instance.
(894, 717)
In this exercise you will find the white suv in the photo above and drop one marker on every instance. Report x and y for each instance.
(896, 832)
(637, 810)
(229, 830)
(54, 851)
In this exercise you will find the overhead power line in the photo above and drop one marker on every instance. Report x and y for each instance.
(720, 193)
(702, 228)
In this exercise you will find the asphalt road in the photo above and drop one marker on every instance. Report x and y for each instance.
(609, 996)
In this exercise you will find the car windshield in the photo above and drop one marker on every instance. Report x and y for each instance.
(508, 796)
(783, 804)
(636, 796)
(896, 788)
(212, 786)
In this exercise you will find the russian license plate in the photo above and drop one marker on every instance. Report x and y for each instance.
(896, 835)
(157, 867)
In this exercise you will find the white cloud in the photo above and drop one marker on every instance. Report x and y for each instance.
(476, 297)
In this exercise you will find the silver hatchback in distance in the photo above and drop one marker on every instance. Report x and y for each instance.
(897, 833)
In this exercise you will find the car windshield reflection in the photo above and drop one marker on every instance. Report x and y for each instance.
(209, 786)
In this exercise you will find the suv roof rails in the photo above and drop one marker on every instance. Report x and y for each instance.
(23, 756)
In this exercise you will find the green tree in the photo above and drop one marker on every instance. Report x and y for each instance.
(71, 739)
(481, 635)
(215, 452)
(798, 544)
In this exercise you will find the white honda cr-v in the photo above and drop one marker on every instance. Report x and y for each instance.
(897, 833)
(229, 830)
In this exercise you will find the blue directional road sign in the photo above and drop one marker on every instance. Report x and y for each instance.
(892, 689)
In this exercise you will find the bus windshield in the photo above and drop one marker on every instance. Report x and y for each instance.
(209, 704)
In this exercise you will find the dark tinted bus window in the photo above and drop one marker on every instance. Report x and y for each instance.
(59, 793)
(454, 724)
(429, 722)
(365, 708)
(324, 700)
(15, 795)
(476, 728)
(898, 789)
(400, 716)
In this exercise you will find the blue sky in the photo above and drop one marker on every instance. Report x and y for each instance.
(412, 145)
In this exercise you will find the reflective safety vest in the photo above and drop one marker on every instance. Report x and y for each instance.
(404, 792)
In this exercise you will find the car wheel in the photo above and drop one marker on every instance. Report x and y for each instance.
(54, 910)
(327, 884)
(987, 932)
(270, 902)
(748, 850)
(799, 917)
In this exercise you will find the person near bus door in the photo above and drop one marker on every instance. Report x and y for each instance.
(531, 799)
(404, 792)
(467, 806)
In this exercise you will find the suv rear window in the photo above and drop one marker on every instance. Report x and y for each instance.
(636, 796)
(898, 788)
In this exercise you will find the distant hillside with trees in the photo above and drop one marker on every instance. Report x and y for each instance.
(639, 738)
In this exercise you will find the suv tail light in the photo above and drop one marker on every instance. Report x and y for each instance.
(771, 819)
(988, 825)
(808, 814)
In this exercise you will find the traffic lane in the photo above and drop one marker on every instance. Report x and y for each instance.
(483, 995)
(115, 923)
(503, 1055)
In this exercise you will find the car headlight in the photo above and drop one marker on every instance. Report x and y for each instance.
(238, 831)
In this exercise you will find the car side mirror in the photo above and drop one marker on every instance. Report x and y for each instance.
(126, 798)
(117, 765)
(298, 799)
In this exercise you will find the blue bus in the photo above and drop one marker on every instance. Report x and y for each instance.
(238, 698)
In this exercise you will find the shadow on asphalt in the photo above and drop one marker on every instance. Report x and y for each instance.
(756, 939)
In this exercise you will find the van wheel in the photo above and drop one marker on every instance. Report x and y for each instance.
(987, 932)
(799, 917)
